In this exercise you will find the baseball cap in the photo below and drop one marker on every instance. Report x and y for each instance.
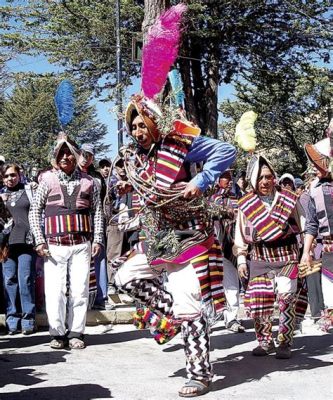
(88, 148)
(104, 162)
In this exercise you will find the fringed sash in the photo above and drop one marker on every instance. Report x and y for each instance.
(269, 224)
(209, 270)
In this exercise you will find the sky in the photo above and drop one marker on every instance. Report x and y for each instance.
(39, 64)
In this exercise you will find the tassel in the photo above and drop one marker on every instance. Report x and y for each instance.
(161, 50)
(245, 134)
(64, 102)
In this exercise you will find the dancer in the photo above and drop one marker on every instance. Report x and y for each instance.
(267, 224)
(320, 221)
(180, 237)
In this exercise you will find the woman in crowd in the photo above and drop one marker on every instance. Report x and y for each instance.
(18, 267)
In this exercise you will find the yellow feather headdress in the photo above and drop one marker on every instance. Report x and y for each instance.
(245, 134)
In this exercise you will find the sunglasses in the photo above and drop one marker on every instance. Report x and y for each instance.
(10, 175)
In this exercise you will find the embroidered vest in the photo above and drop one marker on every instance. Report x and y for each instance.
(323, 198)
(66, 213)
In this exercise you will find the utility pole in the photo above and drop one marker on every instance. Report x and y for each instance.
(119, 100)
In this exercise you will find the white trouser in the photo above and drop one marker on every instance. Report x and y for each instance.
(73, 261)
(182, 283)
(327, 287)
(231, 289)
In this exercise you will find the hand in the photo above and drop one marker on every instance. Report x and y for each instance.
(123, 187)
(95, 250)
(191, 191)
(306, 259)
(42, 250)
(242, 271)
(33, 185)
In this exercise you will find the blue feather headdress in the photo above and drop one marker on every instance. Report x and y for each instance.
(64, 102)
(177, 87)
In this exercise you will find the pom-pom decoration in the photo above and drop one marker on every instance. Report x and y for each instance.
(64, 102)
(161, 50)
(177, 87)
(245, 134)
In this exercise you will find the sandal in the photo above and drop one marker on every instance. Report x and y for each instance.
(76, 344)
(199, 387)
(57, 344)
(236, 327)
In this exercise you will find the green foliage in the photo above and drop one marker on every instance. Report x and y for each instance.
(285, 122)
(78, 35)
(29, 126)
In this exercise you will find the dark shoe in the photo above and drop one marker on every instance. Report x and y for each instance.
(283, 352)
(28, 332)
(197, 388)
(236, 327)
(98, 307)
(264, 350)
(12, 333)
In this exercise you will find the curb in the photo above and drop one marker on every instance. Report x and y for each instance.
(121, 315)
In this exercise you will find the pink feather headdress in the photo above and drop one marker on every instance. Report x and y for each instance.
(161, 50)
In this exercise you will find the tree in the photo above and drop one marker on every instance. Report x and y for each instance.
(78, 35)
(224, 41)
(285, 122)
(29, 127)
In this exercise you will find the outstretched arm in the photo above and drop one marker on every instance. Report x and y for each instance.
(217, 157)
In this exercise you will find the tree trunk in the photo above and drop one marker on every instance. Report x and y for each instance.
(153, 8)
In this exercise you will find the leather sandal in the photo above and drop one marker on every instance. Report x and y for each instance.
(76, 344)
(57, 344)
(199, 386)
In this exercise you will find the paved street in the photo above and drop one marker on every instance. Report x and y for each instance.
(126, 364)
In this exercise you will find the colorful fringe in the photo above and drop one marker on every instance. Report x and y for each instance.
(287, 317)
(259, 297)
(209, 270)
(163, 328)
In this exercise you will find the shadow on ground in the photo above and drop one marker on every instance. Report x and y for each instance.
(17, 366)
(72, 392)
(305, 351)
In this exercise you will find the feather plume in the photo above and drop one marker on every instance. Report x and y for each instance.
(161, 50)
(177, 87)
(64, 102)
(245, 134)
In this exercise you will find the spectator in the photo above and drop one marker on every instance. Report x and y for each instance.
(287, 181)
(18, 266)
(69, 198)
(86, 160)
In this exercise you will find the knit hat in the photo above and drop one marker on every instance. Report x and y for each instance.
(287, 176)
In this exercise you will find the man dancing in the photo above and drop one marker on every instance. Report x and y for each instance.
(180, 236)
